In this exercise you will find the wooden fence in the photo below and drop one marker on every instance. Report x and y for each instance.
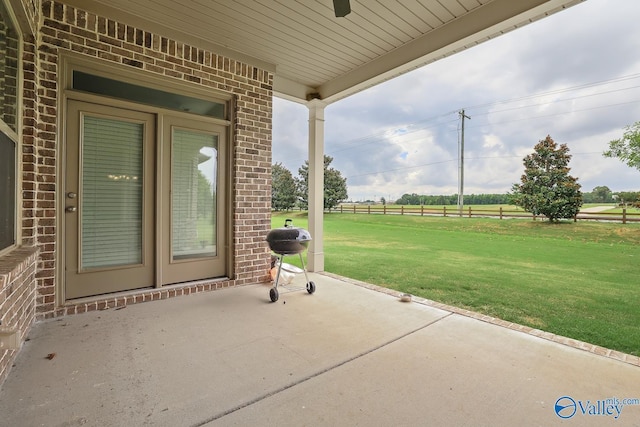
(501, 213)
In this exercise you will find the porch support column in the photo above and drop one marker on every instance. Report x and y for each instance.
(315, 257)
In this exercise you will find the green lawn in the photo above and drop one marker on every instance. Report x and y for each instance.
(580, 280)
(630, 210)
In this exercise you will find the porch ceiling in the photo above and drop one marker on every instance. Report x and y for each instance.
(313, 52)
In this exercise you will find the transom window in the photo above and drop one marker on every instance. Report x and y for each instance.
(146, 95)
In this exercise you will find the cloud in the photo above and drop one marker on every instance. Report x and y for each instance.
(492, 141)
(574, 75)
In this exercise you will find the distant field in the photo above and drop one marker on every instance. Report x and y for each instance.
(619, 210)
(579, 280)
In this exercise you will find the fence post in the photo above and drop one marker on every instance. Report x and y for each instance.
(384, 209)
(354, 208)
(401, 209)
(500, 212)
(340, 208)
(368, 209)
(444, 209)
(624, 215)
(469, 211)
(421, 210)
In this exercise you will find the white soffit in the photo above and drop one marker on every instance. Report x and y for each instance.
(310, 51)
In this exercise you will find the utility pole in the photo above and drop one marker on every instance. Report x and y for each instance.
(461, 164)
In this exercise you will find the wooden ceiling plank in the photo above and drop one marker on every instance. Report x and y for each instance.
(387, 22)
(453, 7)
(470, 4)
(440, 11)
(417, 26)
(419, 9)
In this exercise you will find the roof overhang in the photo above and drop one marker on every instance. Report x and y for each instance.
(313, 54)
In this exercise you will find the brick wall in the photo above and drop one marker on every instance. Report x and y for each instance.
(17, 299)
(65, 28)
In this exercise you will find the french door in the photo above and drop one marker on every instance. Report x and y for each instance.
(144, 199)
(192, 201)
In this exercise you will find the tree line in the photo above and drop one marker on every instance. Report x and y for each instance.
(471, 199)
(600, 194)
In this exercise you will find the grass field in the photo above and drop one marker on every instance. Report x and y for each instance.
(580, 280)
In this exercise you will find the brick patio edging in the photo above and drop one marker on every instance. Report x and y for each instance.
(580, 345)
(123, 299)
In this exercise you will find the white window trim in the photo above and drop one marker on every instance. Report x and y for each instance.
(16, 136)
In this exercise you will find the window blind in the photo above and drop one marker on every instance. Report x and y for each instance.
(112, 192)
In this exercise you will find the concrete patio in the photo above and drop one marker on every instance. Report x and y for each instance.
(347, 355)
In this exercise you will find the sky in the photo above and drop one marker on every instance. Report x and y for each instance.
(574, 75)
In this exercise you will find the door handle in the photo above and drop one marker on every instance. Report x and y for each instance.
(71, 195)
(71, 209)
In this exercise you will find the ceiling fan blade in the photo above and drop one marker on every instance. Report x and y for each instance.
(342, 8)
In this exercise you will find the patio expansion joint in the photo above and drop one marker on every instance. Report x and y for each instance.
(320, 372)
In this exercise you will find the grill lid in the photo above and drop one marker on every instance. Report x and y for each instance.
(288, 239)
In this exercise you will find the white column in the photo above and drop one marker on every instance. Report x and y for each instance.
(315, 259)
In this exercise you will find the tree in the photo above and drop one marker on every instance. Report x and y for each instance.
(283, 188)
(602, 194)
(409, 199)
(627, 148)
(206, 200)
(628, 197)
(335, 186)
(546, 188)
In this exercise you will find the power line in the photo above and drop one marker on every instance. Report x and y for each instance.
(516, 120)
(560, 113)
(503, 101)
(556, 91)
(381, 134)
(556, 100)
(403, 168)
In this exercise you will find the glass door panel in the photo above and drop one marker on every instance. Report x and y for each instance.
(193, 195)
(194, 164)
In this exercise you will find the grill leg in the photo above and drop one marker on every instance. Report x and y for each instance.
(275, 285)
(303, 267)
